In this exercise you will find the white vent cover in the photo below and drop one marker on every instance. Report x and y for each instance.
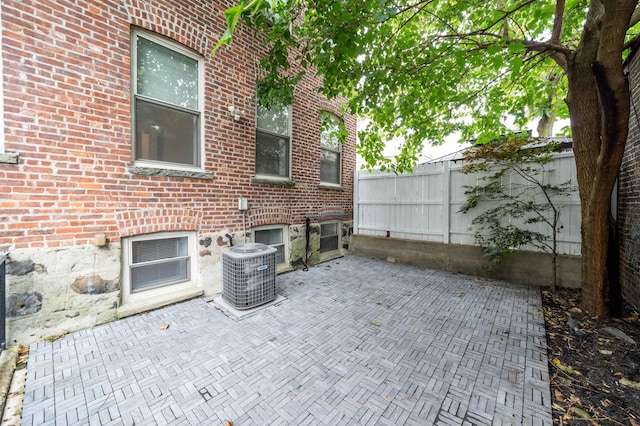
(248, 275)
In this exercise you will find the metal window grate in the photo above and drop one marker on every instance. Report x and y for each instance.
(248, 275)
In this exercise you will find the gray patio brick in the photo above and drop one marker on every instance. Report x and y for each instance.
(450, 350)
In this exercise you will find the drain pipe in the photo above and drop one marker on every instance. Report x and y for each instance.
(307, 225)
(307, 230)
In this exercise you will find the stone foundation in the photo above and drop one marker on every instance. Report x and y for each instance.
(52, 291)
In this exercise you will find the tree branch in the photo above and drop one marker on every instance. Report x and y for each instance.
(558, 21)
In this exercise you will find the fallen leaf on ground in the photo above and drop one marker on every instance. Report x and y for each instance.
(580, 412)
(386, 398)
(575, 310)
(630, 383)
(565, 368)
(573, 398)
(605, 402)
(376, 323)
(228, 423)
(378, 303)
(164, 326)
(558, 394)
(605, 352)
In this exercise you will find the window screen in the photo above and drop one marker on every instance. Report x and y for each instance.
(159, 262)
(328, 237)
(272, 141)
(167, 104)
(274, 238)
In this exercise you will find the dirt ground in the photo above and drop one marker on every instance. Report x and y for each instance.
(594, 364)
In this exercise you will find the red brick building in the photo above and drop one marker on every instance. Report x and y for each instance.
(629, 193)
(125, 151)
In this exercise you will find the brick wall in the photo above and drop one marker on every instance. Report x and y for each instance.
(67, 103)
(67, 106)
(629, 195)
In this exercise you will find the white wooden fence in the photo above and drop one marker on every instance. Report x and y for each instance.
(424, 205)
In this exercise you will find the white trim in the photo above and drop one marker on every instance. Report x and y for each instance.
(334, 117)
(141, 300)
(177, 47)
(285, 241)
(289, 136)
(331, 253)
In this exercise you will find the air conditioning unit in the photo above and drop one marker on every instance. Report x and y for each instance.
(248, 275)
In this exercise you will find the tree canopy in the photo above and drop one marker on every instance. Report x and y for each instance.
(425, 69)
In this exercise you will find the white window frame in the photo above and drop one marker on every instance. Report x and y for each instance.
(200, 145)
(333, 117)
(285, 241)
(266, 176)
(168, 290)
(336, 251)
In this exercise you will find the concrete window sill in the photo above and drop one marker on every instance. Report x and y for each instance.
(266, 180)
(153, 171)
(331, 186)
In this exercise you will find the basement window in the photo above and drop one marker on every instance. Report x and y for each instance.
(329, 237)
(160, 264)
(273, 236)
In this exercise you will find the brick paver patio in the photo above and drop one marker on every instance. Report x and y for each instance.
(357, 342)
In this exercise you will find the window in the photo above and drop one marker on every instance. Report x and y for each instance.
(158, 268)
(329, 237)
(158, 262)
(330, 164)
(167, 101)
(274, 237)
(273, 142)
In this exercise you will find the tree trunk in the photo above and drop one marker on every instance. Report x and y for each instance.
(545, 126)
(599, 106)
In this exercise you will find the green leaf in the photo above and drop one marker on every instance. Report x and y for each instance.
(580, 413)
(516, 48)
(493, 49)
(380, 16)
(232, 16)
(515, 64)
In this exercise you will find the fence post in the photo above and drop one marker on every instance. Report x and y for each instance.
(356, 201)
(446, 200)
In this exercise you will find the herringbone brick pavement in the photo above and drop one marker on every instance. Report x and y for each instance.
(356, 342)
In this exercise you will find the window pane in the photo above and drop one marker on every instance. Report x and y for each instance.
(329, 166)
(169, 272)
(328, 229)
(329, 133)
(328, 243)
(269, 236)
(279, 254)
(274, 120)
(272, 155)
(166, 75)
(328, 237)
(166, 248)
(166, 134)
